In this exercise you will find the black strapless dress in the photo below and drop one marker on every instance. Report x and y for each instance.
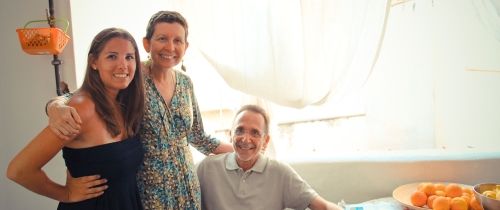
(118, 162)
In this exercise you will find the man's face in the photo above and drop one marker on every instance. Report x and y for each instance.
(248, 137)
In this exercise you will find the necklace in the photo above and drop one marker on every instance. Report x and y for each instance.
(165, 87)
(168, 85)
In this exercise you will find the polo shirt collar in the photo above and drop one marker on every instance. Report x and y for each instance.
(259, 166)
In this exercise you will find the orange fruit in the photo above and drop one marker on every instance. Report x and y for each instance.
(421, 184)
(430, 199)
(440, 193)
(418, 198)
(474, 204)
(453, 190)
(458, 203)
(468, 191)
(466, 197)
(441, 203)
(439, 186)
(466, 194)
(427, 188)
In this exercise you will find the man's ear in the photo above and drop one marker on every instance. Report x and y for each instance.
(230, 136)
(267, 138)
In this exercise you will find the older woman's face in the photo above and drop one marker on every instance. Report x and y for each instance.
(167, 45)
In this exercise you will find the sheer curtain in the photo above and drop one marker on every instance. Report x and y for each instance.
(417, 97)
(291, 52)
(489, 14)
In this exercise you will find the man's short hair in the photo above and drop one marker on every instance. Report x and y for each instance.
(257, 109)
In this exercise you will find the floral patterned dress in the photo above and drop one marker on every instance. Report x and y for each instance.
(167, 179)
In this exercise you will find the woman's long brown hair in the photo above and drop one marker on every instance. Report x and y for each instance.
(130, 99)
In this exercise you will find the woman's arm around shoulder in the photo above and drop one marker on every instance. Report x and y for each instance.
(63, 119)
(84, 106)
(223, 148)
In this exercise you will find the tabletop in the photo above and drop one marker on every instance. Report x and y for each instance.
(387, 203)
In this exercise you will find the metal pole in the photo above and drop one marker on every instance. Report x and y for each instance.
(56, 62)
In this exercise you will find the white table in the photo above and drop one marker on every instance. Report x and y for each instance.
(387, 203)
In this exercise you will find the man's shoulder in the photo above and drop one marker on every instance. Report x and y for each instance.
(210, 164)
(214, 159)
(274, 162)
(278, 165)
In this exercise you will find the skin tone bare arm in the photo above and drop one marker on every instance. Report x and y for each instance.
(319, 203)
(223, 148)
(26, 169)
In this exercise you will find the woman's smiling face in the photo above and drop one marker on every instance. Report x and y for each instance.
(116, 64)
(168, 44)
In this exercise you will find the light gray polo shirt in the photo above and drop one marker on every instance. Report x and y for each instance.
(268, 185)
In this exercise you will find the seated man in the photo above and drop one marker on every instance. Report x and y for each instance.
(246, 179)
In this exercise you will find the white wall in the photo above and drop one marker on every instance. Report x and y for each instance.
(26, 83)
(372, 176)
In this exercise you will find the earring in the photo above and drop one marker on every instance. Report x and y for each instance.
(182, 66)
(148, 61)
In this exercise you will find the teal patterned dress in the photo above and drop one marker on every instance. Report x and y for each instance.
(167, 179)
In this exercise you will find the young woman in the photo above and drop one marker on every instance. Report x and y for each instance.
(110, 103)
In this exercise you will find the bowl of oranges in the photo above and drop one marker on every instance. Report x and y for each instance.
(437, 196)
(488, 194)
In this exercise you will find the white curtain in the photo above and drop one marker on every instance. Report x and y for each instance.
(291, 52)
(489, 14)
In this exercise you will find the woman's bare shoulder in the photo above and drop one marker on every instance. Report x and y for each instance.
(83, 104)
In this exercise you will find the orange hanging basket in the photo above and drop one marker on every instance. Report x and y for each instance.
(43, 41)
